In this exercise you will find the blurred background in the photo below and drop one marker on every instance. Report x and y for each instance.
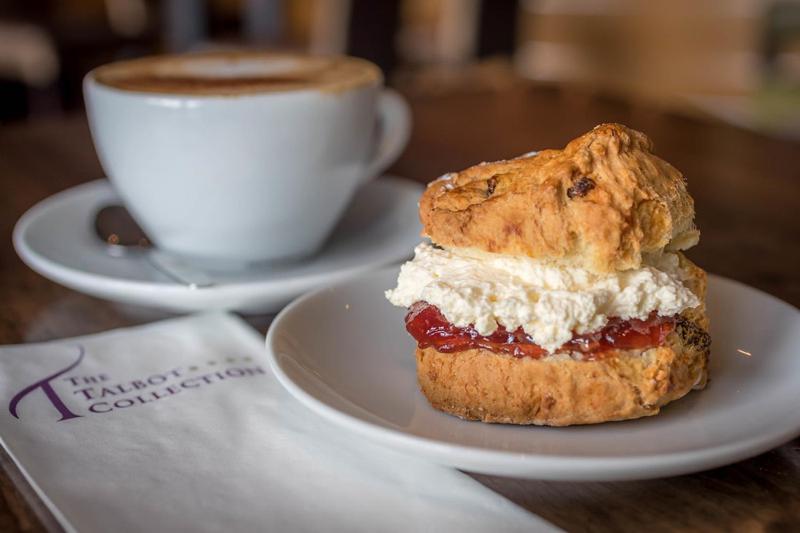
(736, 60)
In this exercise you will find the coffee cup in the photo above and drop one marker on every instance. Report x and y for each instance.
(242, 156)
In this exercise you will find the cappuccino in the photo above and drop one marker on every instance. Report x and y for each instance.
(242, 156)
(241, 72)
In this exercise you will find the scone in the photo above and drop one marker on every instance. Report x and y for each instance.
(554, 290)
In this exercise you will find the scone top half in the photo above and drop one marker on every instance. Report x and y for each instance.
(601, 203)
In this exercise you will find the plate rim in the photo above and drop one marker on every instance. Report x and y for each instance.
(114, 288)
(529, 465)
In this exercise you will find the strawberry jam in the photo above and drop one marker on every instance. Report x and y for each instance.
(431, 329)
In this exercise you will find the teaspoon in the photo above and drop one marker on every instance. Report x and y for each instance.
(123, 237)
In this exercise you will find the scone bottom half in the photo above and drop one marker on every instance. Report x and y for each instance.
(605, 205)
(489, 386)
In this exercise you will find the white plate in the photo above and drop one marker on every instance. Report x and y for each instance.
(344, 352)
(56, 239)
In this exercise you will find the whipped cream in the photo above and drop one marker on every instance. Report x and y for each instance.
(550, 302)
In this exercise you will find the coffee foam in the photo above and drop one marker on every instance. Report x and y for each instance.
(232, 73)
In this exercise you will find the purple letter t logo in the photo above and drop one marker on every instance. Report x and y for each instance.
(44, 384)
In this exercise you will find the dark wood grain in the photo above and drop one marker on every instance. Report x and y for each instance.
(747, 191)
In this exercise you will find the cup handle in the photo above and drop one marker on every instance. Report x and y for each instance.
(395, 120)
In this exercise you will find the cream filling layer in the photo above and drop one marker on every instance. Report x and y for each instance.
(551, 303)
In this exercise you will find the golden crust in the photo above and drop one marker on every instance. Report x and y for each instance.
(599, 203)
(491, 387)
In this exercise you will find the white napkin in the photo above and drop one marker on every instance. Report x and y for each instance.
(180, 426)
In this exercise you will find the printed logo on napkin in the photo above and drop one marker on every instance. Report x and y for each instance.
(74, 394)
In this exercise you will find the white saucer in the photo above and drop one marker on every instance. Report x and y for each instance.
(56, 239)
(344, 353)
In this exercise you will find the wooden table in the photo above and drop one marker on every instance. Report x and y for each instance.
(747, 190)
